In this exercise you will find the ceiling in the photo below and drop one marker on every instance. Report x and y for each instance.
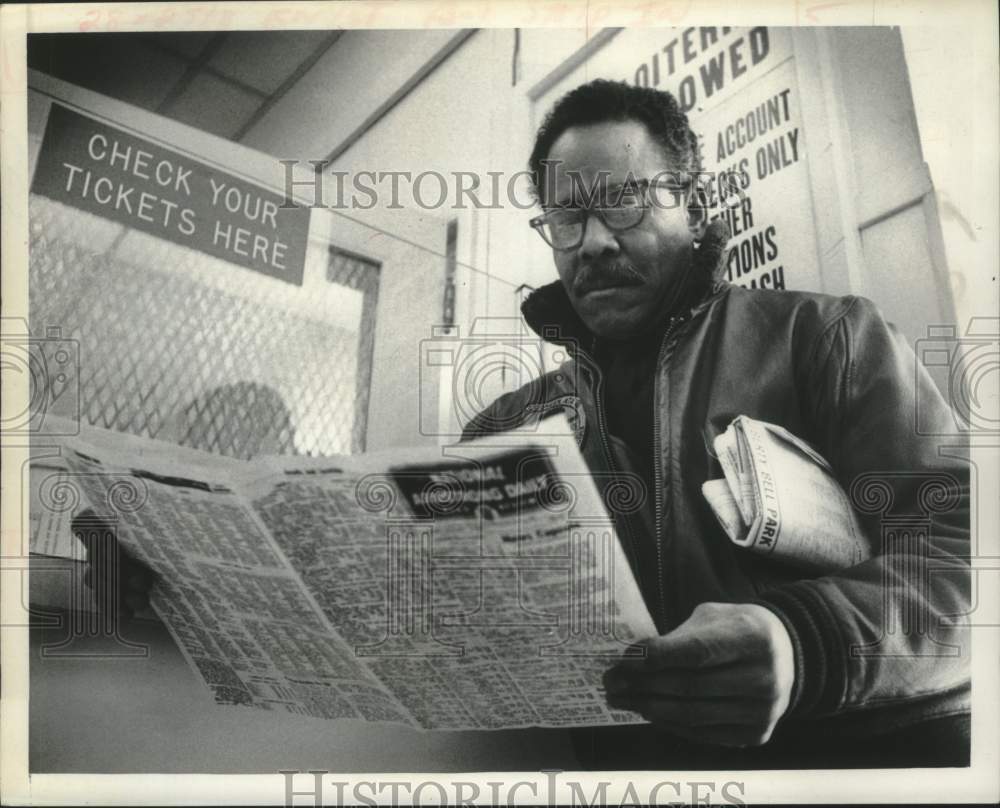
(219, 82)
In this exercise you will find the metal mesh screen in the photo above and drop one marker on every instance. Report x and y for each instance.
(359, 273)
(177, 345)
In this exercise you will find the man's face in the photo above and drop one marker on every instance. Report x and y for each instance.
(620, 283)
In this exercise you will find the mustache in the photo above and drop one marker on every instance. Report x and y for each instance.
(620, 273)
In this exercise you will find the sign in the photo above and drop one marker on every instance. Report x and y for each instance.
(510, 484)
(758, 136)
(739, 89)
(116, 175)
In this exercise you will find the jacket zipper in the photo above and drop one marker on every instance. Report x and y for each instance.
(658, 470)
(602, 430)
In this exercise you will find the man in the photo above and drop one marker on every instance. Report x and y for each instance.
(755, 664)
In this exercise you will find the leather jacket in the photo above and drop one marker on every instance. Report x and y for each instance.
(878, 646)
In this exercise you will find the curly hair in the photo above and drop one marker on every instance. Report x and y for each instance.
(600, 101)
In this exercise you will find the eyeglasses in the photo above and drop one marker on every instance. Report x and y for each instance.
(625, 207)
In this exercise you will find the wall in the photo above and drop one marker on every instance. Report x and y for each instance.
(482, 127)
(959, 146)
(902, 271)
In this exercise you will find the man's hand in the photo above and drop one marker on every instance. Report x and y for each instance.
(724, 676)
(118, 581)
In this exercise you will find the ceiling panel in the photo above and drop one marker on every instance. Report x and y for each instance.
(216, 81)
(213, 105)
(265, 59)
(119, 65)
(342, 89)
(188, 44)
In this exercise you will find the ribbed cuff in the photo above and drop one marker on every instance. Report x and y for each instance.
(820, 662)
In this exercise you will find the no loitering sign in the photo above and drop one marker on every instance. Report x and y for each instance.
(106, 171)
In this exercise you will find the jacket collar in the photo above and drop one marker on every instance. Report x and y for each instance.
(549, 313)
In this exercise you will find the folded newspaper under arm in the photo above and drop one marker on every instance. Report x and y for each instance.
(778, 497)
(477, 586)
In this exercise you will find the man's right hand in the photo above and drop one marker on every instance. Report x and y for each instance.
(118, 581)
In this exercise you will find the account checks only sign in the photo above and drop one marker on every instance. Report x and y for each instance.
(114, 174)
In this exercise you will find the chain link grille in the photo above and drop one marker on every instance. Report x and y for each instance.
(168, 350)
(358, 273)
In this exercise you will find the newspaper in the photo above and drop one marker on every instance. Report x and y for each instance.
(779, 497)
(479, 586)
(49, 527)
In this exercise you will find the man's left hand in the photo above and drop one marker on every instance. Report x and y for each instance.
(724, 676)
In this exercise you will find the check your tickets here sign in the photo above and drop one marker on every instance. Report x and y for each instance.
(112, 173)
